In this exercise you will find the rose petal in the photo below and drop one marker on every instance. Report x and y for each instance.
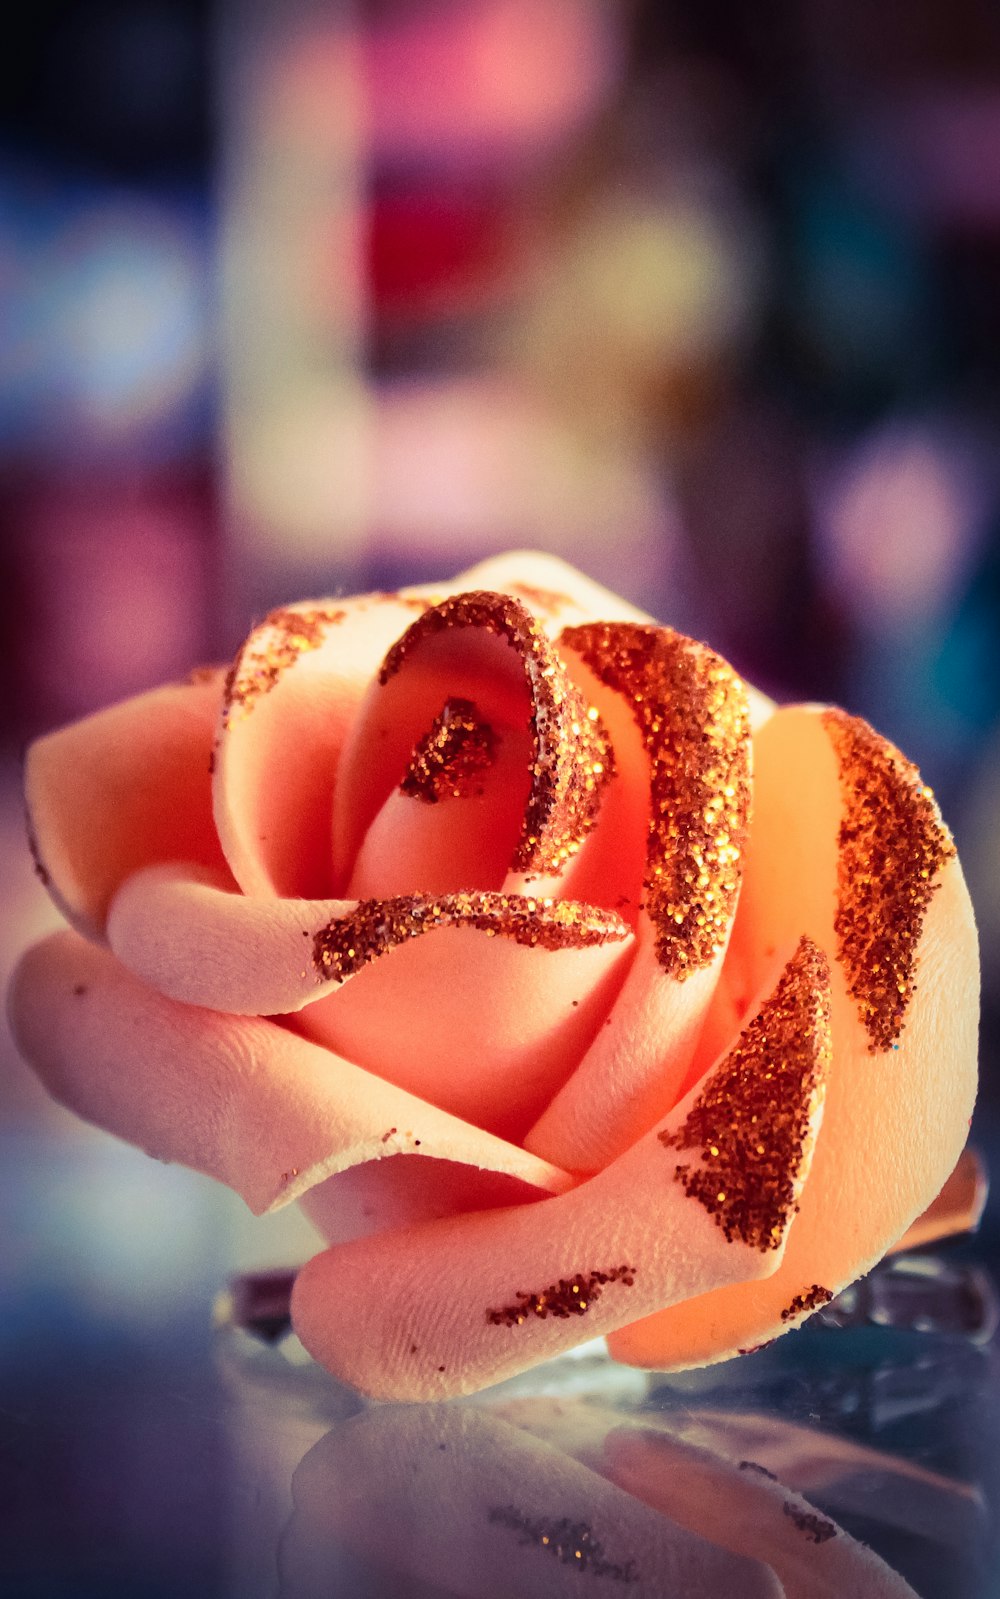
(483, 1025)
(458, 1304)
(483, 1014)
(721, 1492)
(555, 592)
(676, 714)
(455, 1493)
(484, 649)
(120, 790)
(748, 1512)
(559, 597)
(293, 692)
(241, 1099)
(958, 1208)
(403, 1189)
(417, 846)
(896, 1120)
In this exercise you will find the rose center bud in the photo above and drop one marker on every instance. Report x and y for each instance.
(472, 697)
(470, 972)
(454, 819)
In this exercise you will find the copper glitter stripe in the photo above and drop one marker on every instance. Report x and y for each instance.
(572, 757)
(805, 1303)
(570, 1542)
(751, 1122)
(691, 709)
(450, 761)
(375, 926)
(892, 845)
(570, 1296)
(816, 1528)
(270, 650)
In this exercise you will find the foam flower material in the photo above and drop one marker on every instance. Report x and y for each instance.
(572, 987)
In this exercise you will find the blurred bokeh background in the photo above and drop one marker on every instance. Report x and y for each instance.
(324, 296)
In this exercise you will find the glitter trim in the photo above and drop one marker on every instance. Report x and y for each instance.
(754, 1465)
(451, 760)
(270, 650)
(572, 757)
(816, 1528)
(571, 1542)
(892, 845)
(809, 1300)
(751, 1124)
(375, 926)
(693, 714)
(570, 1296)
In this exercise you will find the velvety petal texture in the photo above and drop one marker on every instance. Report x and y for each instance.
(572, 987)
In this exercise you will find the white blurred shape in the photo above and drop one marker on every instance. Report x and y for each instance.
(462, 469)
(127, 338)
(899, 521)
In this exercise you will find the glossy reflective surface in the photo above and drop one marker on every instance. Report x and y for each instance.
(148, 1454)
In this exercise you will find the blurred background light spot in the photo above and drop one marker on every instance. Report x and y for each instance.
(900, 521)
(498, 80)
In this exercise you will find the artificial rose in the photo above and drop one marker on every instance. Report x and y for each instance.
(474, 943)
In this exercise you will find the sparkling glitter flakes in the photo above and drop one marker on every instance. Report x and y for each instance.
(570, 1296)
(816, 1528)
(572, 758)
(451, 760)
(692, 711)
(809, 1300)
(892, 845)
(571, 1542)
(271, 648)
(751, 1123)
(344, 946)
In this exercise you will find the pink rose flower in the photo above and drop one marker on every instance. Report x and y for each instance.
(571, 987)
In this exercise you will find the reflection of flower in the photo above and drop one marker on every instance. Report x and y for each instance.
(521, 1498)
(551, 941)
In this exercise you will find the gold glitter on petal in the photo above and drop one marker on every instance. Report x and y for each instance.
(570, 1542)
(751, 1124)
(375, 926)
(570, 1296)
(451, 760)
(809, 1300)
(816, 1528)
(692, 712)
(270, 650)
(892, 845)
(572, 757)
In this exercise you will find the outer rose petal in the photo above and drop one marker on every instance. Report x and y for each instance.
(733, 1502)
(895, 1121)
(451, 1307)
(457, 1491)
(240, 1099)
(120, 790)
(479, 1024)
(749, 1513)
(669, 775)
